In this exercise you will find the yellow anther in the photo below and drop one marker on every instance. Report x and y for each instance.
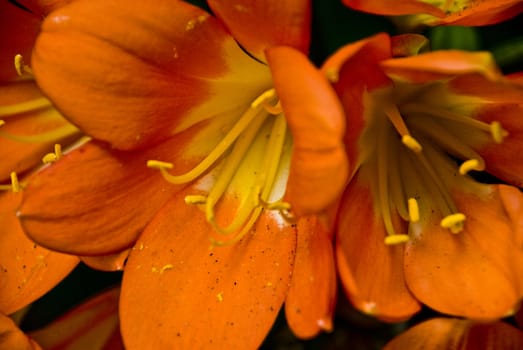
(396, 239)
(15, 185)
(453, 222)
(2, 122)
(497, 132)
(195, 199)
(53, 157)
(21, 67)
(156, 164)
(411, 143)
(219, 296)
(263, 98)
(471, 164)
(413, 210)
(166, 267)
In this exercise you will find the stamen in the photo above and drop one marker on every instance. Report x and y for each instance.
(396, 239)
(469, 165)
(453, 222)
(244, 121)
(53, 157)
(62, 132)
(413, 210)
(21, 67)
(195, 199)
(411, 143)
(23, 107)
(497, 132)
(15, 184)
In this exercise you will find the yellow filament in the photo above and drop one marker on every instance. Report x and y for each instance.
(62, 132)
(411, 143)
(497, 132)
(469, 165)
(53, 157)
(384, 150)
(244, 121)
(413, 210)
(453, 222)
(21, 67)
(23, 107)
(15, 184)
(396, 239)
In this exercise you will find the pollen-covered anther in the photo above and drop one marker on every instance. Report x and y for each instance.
(469, 165)
(2, 122)
(454, 222)
(411, 143)
(497, 132)
(53, 157)
(413, 208)
(157, 164)
(195, 199)
(15, 184)
(20, 67)
(396, 239)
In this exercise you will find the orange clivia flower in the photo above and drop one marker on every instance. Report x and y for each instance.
(29, 129)
(245, 162)
(458, 334)
(414, 225)
(442, 12)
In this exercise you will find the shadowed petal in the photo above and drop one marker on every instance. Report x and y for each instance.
(313, 279)
(258, 25)
(93, 325)
(23, 28)
(226, 297)
(317, 123)
(91, 201)
(394, 7)
(477, 273)
(456, 334)
(27, 271)
(12, 338)
(149, 70)
(371, 271)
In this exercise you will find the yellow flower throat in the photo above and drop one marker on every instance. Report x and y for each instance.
(261, 127)
(414, 148)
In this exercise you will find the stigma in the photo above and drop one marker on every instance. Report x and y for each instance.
(419, 153)
(250, 161)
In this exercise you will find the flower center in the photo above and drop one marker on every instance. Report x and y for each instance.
(260, 134)
(416, 171)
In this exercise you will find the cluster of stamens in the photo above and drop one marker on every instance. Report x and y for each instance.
(434, 141)
(229, 153)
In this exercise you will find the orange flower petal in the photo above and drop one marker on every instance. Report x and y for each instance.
(93, 324)
(22, 28)
(91, 202)
(149, 70)
(27, 271)
(394, 7)
(42, 8)
(502, 159)
(441, 64)
(371, 272)
(313, 278)
(258, 25)
(22, 156)
(11, 337)
(474, 274)
(408, 44)
(456, 334)
(317, 123)
(113, 262)
(479, 13)
(354, 70)
(189, 295)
